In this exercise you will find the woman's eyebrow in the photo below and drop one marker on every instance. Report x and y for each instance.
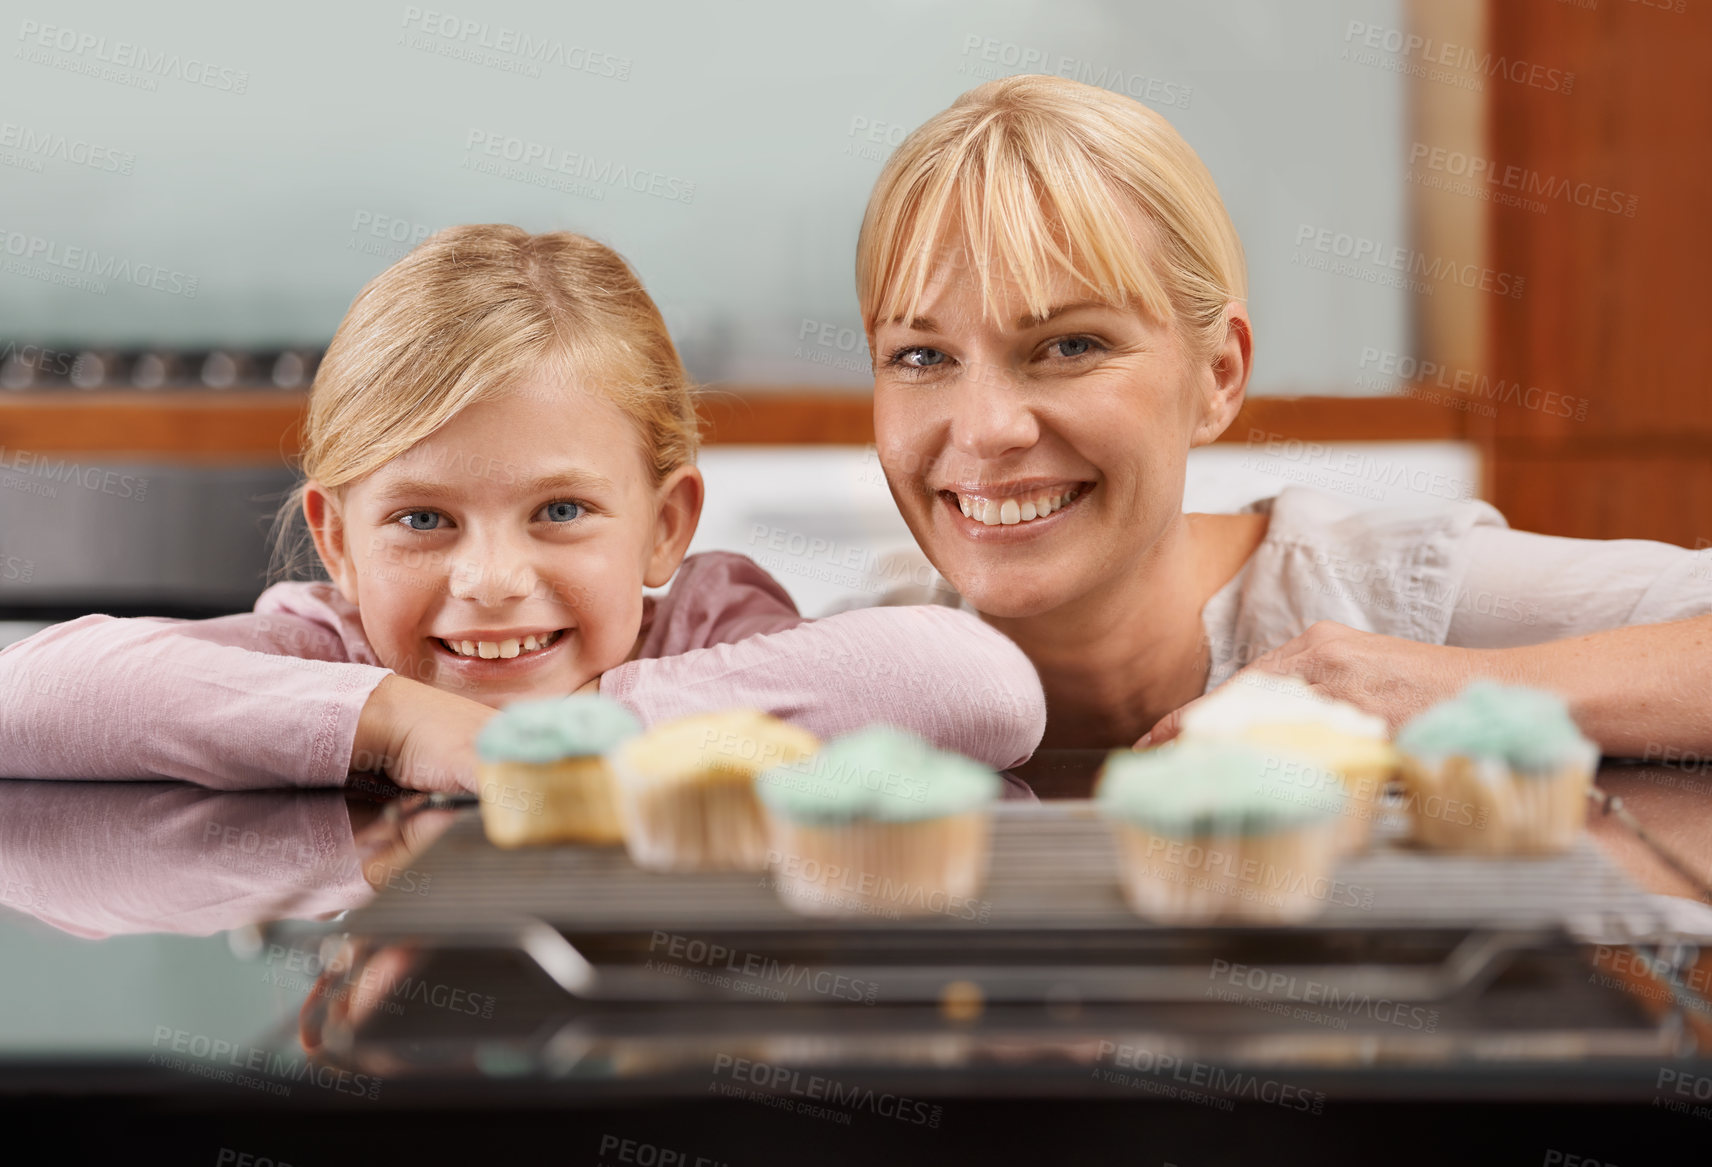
(1032, 321)
(916, 323)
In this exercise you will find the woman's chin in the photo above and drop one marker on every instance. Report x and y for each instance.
(1007, 593)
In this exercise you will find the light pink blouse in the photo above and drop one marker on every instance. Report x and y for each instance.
(271, 697)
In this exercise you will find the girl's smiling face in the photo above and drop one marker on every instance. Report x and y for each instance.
(504, 556)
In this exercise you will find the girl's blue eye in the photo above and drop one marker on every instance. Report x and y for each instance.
(420, 520)
(561, 512)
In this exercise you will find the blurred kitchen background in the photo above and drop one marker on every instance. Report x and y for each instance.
(1470, 230)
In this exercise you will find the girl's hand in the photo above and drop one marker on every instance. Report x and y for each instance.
(1384, 675)
(423, 738)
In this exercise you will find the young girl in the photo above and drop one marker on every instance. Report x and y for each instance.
(499, 456)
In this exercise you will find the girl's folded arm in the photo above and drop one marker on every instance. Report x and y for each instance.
(232, 703)
(937, 672)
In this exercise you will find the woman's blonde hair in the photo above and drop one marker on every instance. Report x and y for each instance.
(1038, 174)
(470, 314)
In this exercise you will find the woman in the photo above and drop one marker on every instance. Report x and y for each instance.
(1054, 298)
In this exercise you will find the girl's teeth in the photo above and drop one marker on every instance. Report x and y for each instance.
(1012, 511)
(500, 649)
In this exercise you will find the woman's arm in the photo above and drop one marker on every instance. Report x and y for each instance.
(1637, 691)
(939, 673)
(1621, 628)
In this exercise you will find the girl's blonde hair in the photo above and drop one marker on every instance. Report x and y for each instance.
(1038, 174)
(470, 314)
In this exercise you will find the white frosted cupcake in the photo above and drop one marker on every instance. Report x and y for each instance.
(544, 778)
(1206, 831)
(1497, 770)
(1328, 741)
(687, 788)
(879, 822)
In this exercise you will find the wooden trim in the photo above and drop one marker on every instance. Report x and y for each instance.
(808, 417)
(787, 417)
(184, 425)
(264, 426)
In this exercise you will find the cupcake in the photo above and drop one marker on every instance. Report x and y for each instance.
(543, 776)
(1330, 742)
(687, 788)
(1207, 830)
(878, 823)
(1497, 770)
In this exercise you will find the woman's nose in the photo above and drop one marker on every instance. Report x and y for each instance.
(991, 416)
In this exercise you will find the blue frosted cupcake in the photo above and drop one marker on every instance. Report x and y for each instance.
(878, 822)
(1499, 769)
(1214, 829)
(544, 774)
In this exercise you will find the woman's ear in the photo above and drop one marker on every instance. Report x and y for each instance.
(680, 510)
(1225, 380)
(327, 527)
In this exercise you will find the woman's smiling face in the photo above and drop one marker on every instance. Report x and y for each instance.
(1035, 459)
(504, 556)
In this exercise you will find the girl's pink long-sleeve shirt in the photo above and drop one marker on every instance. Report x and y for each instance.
(271, 697)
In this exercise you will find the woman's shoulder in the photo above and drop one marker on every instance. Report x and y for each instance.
(1392, 568)
(1303, 515)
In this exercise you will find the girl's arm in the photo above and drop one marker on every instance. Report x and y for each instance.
(937, 672)
(233, 703)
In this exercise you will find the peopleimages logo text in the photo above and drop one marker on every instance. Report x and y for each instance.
(129, 55)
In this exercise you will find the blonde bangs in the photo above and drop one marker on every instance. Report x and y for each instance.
(1029, 178)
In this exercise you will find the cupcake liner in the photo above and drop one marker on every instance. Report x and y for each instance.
(1361, 811)
(568, 801)
(700, 822)
(1480, 806)
(875, 868)
(1273, 877)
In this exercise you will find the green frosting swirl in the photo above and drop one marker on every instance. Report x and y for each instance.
(1217, 786)
(1530, 730)
(879, 774)
(555, 728)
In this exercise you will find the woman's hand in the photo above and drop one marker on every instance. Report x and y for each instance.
(1384, 675)
(421, 737)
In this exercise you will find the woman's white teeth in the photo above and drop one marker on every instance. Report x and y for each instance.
(1011, 511)
(501, 649)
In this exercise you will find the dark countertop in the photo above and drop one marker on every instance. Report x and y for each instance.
(161, 946)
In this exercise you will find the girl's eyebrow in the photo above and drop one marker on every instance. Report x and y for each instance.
(564, 480)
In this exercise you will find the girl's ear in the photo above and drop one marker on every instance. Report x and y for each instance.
(1223, 383)
(327, 527)
(680, 510)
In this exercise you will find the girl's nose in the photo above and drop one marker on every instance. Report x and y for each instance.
(990, 415)
(492, 575)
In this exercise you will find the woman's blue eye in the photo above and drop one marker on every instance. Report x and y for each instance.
(421, 520)
(561, 512)
(1073, 346)
(919, 357)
